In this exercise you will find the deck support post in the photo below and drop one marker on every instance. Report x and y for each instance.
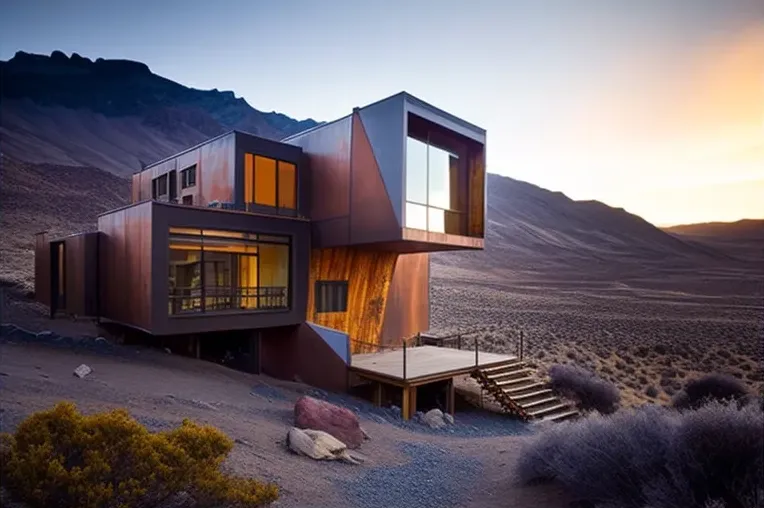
(377, 393)
(450, 401)
(406, 403)
(197, 347)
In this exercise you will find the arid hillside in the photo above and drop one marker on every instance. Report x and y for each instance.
(114, 114)
(743, 239)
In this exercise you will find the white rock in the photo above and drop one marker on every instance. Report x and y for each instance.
(448, 418)
(82, 371)
(319, 445)
(434, 419)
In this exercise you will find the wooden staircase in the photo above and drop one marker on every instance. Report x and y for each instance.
(515, 388)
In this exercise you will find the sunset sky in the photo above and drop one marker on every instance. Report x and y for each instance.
(656, 106)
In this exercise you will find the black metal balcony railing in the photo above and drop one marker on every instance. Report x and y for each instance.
(184, 300)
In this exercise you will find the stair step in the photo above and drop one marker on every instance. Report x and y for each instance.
(517, 390)
(501, 375)
(534, 403)
(546, 410)
(556, 417)
(514, 381)
(530, 395)
(504, 366)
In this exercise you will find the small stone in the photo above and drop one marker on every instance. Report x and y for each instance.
(167, 350)
(82, 371)
(448, 418)
(243, 442)
(434, 419)
(100, 339)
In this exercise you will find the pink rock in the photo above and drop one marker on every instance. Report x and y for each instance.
(310, 413)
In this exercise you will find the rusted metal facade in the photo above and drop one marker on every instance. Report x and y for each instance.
(347, 222)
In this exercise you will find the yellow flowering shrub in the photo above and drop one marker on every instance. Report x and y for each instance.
(63, 458)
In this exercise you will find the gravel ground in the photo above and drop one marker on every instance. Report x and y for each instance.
(407, 464)
(433, 477)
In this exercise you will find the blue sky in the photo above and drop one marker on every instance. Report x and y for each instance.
(656, 106)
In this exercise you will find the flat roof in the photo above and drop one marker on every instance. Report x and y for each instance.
(424, 363)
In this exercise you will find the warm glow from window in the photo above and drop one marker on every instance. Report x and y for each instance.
(249, 177)
(287, 185)
(265, 181)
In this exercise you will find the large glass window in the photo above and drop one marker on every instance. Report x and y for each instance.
(430, 171)
(215, 270)
(268, 182)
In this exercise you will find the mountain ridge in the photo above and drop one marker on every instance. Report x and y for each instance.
(45, 95)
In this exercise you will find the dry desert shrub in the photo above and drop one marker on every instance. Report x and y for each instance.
(698, 392)
(654, 456)
(590, 391)
(63, 458)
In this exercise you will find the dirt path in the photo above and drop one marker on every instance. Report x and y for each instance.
(160, 390)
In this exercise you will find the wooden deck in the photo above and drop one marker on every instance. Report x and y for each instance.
(424, 364)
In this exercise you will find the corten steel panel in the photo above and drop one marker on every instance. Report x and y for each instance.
(81, 264)
(368, 274)
(124, 261)
(42, 268)
(477, 192)
(217, 176)
(299, 352)
(135, 188)
(408, 300)
(165, 216)
(327, 149)
(247, 143)
(384, 122)
(372, 218)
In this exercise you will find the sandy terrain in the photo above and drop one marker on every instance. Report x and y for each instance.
(160, 390)
(637, 334)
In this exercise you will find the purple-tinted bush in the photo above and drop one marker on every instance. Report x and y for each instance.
(708, 388)
(585, 387)
(655, 457)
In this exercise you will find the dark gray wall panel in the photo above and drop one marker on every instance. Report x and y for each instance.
(385, 125)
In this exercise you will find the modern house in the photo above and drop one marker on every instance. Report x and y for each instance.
(302, 253)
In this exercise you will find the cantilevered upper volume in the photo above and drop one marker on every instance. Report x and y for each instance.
(400, 174)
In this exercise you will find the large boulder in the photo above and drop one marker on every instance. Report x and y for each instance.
(310, 413)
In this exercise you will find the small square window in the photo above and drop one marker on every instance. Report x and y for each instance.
(188, 177)
(331, 296)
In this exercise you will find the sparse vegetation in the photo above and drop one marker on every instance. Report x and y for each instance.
(698, 392)
(62, 458)
(589, 390)
(654, 456)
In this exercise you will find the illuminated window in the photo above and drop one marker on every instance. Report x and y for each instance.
(265, 181)
(270, 183)
(217, 270)
(287, 185)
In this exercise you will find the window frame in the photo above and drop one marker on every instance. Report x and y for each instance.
(253, 238)
(337, 292)
(185, 175)
(250, 184)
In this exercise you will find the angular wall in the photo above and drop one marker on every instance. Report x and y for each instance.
(369, 274)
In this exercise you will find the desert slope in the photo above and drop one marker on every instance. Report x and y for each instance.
(743, 239)
(114, 114)
(533, 230)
